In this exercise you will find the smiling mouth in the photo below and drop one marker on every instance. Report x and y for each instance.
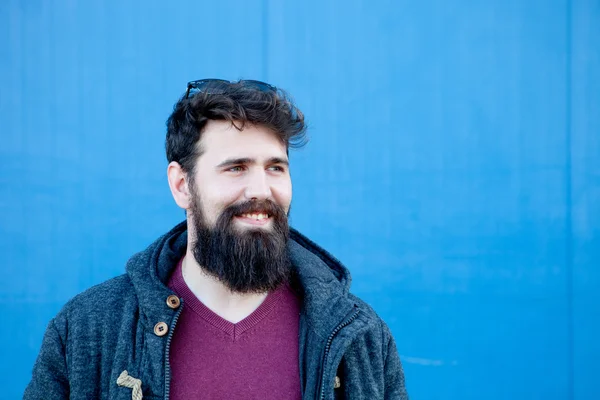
(254, 218)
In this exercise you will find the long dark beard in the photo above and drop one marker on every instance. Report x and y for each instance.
(248, 261)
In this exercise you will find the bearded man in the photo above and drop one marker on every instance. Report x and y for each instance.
(232, 302)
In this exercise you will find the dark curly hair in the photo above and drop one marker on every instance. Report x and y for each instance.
(237, 102)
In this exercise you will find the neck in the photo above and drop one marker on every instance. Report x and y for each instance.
(230, 306)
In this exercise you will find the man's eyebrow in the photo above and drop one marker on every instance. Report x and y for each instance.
(278, 160)
(246, 160)
(235, 161)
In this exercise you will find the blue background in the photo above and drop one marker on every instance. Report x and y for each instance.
(454, 166)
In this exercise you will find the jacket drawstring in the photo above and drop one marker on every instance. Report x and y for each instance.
(126, 380)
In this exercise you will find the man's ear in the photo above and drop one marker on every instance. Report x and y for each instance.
(179, 185)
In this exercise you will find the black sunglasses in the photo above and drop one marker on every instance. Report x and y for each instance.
(218, 86)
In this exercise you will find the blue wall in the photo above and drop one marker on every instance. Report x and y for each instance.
(454, 166)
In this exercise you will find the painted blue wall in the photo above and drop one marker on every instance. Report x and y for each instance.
(454, 166)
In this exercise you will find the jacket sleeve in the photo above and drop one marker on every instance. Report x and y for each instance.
(395, 387)
(50, 376)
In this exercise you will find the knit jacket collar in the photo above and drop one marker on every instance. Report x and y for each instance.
(321, 280)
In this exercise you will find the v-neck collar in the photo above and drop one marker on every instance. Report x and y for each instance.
(180, 287)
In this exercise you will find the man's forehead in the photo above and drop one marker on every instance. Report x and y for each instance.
(222, 140)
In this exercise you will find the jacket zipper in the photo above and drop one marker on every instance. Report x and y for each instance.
(167, 366)
(328, 347)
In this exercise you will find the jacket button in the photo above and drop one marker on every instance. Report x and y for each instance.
(161, 329)
(173, 301)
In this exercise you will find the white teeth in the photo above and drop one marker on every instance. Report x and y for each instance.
(256, 216)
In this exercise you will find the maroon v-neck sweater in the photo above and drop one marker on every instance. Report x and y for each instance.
(257, 358)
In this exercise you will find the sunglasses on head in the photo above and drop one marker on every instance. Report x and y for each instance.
(218, 86)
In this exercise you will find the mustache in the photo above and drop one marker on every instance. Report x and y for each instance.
(255, 207)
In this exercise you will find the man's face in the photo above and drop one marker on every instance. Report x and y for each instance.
(241, 195)
(240, 166)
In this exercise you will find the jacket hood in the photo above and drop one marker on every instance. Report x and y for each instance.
(320, 279)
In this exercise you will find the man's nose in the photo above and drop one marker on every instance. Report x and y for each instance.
(258, 186)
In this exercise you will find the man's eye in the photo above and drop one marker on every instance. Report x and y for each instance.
(276, 168)
(236, 169)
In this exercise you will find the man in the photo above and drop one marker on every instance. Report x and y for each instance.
(231, 303)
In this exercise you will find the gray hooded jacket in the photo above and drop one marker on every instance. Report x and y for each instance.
(345, 349)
